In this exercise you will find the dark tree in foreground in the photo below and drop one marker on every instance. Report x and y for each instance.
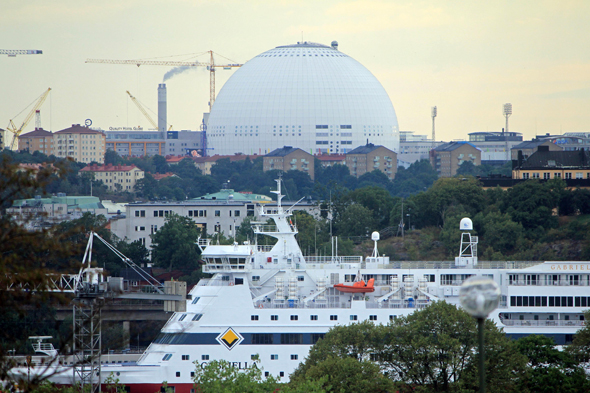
(174, 244)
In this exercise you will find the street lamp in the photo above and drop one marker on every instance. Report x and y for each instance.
(480, 296)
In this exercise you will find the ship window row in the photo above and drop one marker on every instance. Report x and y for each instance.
(453, 279)
(551, 301)
(549, 279)
(249, 339)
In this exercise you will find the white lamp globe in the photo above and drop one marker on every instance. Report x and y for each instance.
(479, 296)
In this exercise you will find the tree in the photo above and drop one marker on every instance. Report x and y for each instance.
(356, 220)
(376, 199)
(173, 245)
(220, 376)
(531, 203)
(551, 370)
(436, 348)
(580, 347)
(27, 259)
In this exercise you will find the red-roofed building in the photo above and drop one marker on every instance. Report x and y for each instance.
(331, 159)
(174, 160)
(160, 176)
(80, 143)
(116, 177)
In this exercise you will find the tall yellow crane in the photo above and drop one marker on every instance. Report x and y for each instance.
(17, 131)
(211, 66)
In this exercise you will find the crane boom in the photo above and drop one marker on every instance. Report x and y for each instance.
(211, 66)
(141, 108)
(14, 52)
(17, 131)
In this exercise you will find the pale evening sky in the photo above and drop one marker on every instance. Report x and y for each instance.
(467, 58)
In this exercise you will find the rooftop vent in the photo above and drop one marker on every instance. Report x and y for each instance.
(334, 45)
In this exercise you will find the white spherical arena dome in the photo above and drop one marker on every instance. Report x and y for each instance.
(306, 95)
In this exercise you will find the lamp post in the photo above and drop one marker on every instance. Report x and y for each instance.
(480, 296)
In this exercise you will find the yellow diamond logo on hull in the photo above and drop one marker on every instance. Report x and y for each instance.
(230, 338)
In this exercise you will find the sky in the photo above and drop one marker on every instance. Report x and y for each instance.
(466, 58)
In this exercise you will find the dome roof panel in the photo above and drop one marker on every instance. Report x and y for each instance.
(304, 87)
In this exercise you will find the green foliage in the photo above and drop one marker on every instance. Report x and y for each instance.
(550, 370)
(417, 178)
(356, 220)
(434, 349)
(174, 244)
(377, 200)
(220, 376)
(531, 203)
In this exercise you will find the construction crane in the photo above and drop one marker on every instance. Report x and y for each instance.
(17, 131)
(142, 109)
(211, 66)
(14, 52)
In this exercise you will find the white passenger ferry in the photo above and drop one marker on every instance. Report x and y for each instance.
(272, 303)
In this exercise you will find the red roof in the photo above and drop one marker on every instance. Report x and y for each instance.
(175, 159)
(78, 129)
(39, 132)
(108, 168)
(331, 157)
(160, 176)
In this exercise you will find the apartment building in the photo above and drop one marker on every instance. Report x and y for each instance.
(367, 158)
(289, 158)
(38, 140)
(116, 177)
(80, 143)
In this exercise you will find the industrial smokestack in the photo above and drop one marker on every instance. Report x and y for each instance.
(162, 110)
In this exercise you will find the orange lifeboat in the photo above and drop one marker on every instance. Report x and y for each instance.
(357, 287)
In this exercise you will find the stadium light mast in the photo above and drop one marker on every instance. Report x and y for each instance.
(433, 115)
(507, 113)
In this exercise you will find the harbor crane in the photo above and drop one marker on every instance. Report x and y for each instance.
(211, 67)
(14, 52)
(17, 131)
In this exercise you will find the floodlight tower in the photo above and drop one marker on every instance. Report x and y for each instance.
(433, 115)
(507, 113)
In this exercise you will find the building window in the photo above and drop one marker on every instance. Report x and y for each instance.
(313, 317)
(294, 317)
(568, 175)
(372, 317)
(525, 175)
(274, 317)
(333, 317)
(294, 357)
(353, 317)
(546, 175)
(254, 317)
(557, 175)
(185, 357)
(204, 357)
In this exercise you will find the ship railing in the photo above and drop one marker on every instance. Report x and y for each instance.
(301, 304)
(542, 323)
(451, 265)
(203, 282)
(398, 304)
(542, 283)
(333, 259)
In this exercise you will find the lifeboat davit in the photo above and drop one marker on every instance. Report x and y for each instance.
(357, 287)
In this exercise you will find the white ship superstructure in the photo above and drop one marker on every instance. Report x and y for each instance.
(272, 303)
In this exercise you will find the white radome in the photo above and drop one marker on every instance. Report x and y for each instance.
(305, 95)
